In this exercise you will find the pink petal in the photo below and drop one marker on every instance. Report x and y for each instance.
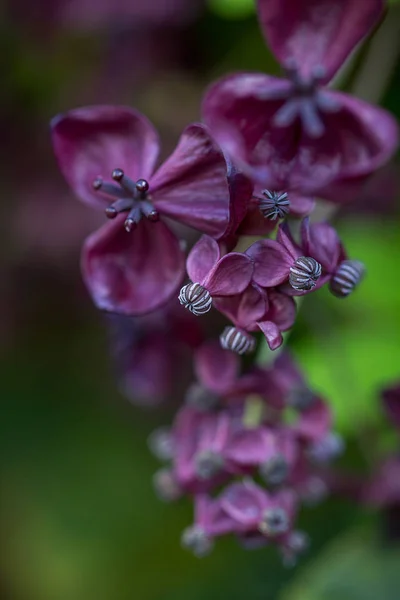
(301, 206)
(315, 422)
(282, 310)
(211, 517)
(244, 503)
(91, 142)
(317, 33)
(231, 275)
(272, 334)
(202, 258)
(132, 273)
(216, 368)
(271, 262)
(249, 447)
(192, 185)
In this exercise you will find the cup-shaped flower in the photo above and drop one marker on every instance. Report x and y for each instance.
(213, 275)
(293, 134)
(107, 155)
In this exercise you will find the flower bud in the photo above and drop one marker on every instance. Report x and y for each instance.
(274, 205)
(275, 521)
(195, 539)
(237, 340)
(195, 298)
(346, 278)
(304, 273)
(208, 464)
(275, 470)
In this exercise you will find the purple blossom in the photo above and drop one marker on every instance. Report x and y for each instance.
(255, 310)
(391, 404)
(294, 135)
(133, 273)
(213, 275)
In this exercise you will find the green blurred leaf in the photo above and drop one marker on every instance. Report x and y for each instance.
(232, 9)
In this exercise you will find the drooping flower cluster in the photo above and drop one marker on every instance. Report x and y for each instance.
(233, 448)
(268, 147)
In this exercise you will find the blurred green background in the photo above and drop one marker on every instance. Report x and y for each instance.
(79, 519)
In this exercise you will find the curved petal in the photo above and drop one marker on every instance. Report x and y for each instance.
(192, 185)
(231, 275)
(132, 273)
(241, 192)
(255, 223)
(244, 310)
(272, 334)
(271, 262)
(202, 258)
(315, 422)
(249, 447)
(244, 502)
(282, 310)
(301, 206)
(316, 33)
(91, 142)
(216, 368)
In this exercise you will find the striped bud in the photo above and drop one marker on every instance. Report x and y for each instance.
(275, 470)
(275, 521)
(236, 340)
(347, 276)
(195, 298)
(304, 273)
(274, 205)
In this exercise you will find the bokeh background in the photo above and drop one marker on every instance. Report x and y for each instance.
(79, 519)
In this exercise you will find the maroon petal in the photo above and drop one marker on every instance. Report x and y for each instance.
(315, 422)
(248, 447)
(132, 273)
(255, 223)
(301, 206)
(192, 185)
(231, 275)
(202, 258)
(282, 310)
(241, 192)
(216, 368)
(271, 262)
(284, 237)
(244, 310)
(91, 142)
(316, 33)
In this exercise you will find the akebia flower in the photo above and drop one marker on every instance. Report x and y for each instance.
(107, 154)
(255, 310)
(294, 134)
(213, 275)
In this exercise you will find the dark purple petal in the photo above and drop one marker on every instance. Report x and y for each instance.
(192, 185)
(301, 206)
(241, 191)
(271, 262)
(282, 310)
(383, 489)
(202, 258)
(132, 273)
(254, 222)
(315, 422)
(391, 404)
(316, 33)
(231, 275)
(91, 142)
(244, 310)
(284, 237)
(216, 368)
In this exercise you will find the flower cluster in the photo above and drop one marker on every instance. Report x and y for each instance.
(249, 448)
(266, 149)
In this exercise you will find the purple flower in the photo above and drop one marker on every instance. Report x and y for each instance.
(255, 310)
(293, 135)
(213, 275)
(383, 488)
(319, 258)
(391, 404)
(136, 272)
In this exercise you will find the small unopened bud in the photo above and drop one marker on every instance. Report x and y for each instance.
(297, 543)
(304, 273)
(275, 521)
(346, 278)
(274, 205)
(195, 539)
(327, 449)
(300, 398)
(161, 443)
(237, 340)
(201, 399)
(208, 464)
(195, 298)
(275, 470)
(314, 491)
(165, 485)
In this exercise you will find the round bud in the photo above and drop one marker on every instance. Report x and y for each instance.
(275, 470)
(346, 278)
(142, 185)
(195, 298)
(236, 340)
(165, 485)
(153, 216)
(201, 399)
(304, 273)
(117, 174)
(275, 521)
(194, 538)
(129, 225)
(208, 464)
(274, 205)
(111, 212)
(97, 183)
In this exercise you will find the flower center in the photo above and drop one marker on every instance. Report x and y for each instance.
(132, 197)
(275, 521)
